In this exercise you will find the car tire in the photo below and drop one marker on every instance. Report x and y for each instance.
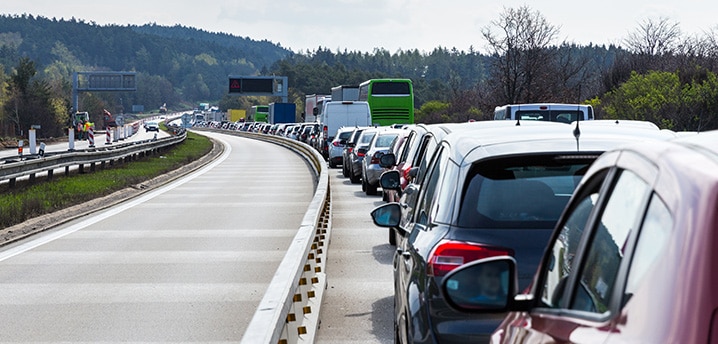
(345, 171)
(392, 237)
(371, 190)
(354, 179)
(332, 164)
(363, 184)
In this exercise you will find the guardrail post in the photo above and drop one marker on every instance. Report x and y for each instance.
(19, 148)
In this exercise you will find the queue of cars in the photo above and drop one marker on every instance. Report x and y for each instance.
(543, 232)
(631, 259)
(492, 194)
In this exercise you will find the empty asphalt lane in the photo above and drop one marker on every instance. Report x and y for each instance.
(187, 262)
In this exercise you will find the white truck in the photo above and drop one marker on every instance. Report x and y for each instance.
(345, 92)
(312, 106)
(335, 115)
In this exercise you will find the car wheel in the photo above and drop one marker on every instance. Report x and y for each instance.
(371, 190)
(345, 171)
(332, 164)
(363, 184)
(392, 237)
(354, 178)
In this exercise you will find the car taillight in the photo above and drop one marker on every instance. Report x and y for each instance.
(448, 255)
(336, 144)
(405, 171)
(361, 153)
(350, 150)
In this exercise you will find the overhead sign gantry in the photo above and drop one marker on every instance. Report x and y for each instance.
(259, 86)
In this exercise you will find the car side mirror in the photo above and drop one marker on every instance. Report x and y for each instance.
(387, 160)
(390, 180)
(487, 285)
(315, 111)
(387, 215)
(343, 142)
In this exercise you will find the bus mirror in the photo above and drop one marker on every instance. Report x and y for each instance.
(315, 111)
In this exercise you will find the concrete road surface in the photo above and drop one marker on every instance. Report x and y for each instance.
(186, 262)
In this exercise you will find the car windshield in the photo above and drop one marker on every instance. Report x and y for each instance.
(520, 192)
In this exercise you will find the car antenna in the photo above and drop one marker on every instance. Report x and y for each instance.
(577, 130)
(518, 116)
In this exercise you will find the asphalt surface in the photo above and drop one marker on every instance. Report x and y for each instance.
(358, 304)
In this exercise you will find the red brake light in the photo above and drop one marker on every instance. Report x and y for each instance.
(336, 144)
(448, 255)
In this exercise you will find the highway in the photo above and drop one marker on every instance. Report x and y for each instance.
(358, 305)
(188, 261)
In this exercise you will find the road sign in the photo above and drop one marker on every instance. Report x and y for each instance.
(258, 85)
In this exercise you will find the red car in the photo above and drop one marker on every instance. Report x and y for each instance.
(633, 259)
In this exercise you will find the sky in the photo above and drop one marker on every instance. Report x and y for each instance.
(365, 25)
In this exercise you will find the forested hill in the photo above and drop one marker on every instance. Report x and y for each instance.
(260, 53)
(180, 55)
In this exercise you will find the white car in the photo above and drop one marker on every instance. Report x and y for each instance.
(152, 126)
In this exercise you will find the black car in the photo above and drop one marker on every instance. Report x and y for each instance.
(493, 190)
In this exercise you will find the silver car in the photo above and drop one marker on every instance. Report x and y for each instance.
(371, 170)
(336, 148)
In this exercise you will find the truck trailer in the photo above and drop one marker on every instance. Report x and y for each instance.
(345, 92)
(312, 104)
(282, 113)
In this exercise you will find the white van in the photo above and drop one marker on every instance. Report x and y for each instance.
(335, 115)
(552, 112)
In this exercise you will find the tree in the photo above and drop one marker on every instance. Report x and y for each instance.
(31, 102)
(654, 37)
(518, 43)
(662, 98)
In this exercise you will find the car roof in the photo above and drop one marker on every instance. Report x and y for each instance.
(539, 137)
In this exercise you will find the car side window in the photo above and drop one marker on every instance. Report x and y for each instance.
(599, 270)
(429, 189)
(655, 231)
(564, 248)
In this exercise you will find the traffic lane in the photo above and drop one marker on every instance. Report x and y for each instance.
(358, 304)
(100, 141)
(62, 147)
(189, 263)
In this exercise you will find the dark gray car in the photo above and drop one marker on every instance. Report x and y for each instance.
(484, 193)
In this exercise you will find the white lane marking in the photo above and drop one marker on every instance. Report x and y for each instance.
(51, 236)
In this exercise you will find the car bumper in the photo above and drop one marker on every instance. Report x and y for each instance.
(373, 172)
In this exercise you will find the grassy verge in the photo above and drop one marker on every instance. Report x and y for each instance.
(27, 201)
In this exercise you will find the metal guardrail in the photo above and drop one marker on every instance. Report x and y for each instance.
(289, 310)
(13, 168)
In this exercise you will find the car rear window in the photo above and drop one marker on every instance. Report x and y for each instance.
(344, 135)
(520, 192)
(385, 140)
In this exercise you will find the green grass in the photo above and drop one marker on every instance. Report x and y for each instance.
(26, 201)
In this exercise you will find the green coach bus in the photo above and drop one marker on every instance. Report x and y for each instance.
(391, 101)
(258, 113)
